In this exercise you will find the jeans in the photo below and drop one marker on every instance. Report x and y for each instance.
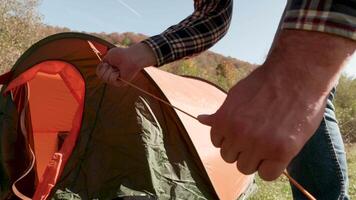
(321, 166)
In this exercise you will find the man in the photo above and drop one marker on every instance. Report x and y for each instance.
(282, 108)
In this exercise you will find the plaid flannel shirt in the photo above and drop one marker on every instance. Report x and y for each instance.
(211, 19)
(330, 16)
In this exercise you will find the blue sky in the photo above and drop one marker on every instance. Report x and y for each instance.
(250, 36)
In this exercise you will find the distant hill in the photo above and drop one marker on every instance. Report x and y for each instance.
(221, 70)
(21, 26)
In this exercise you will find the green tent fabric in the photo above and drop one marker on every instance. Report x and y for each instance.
(120, 142)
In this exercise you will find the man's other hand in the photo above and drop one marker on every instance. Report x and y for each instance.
(268, 117)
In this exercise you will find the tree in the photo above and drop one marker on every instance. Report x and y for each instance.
(226, 75)
(19, 24)
(126, 42)
(345, 103)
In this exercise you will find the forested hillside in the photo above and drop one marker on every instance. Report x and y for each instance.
(21, 26)
(221, 70)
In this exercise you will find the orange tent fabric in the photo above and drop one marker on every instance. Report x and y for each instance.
(198, 97)
(67, 97)
(56, 94)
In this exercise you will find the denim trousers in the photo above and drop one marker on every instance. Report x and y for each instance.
(321, 166)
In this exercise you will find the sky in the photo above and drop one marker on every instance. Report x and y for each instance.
(249, 38)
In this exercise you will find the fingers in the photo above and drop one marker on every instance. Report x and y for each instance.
(216, 138)
(113, 79)
(247, 160)
(108, 74)
(210, 120)
(217, 129)
(206, 119)
(270, 170)
(101, 70)
(125, 60)
(229, 152)
(248, 163)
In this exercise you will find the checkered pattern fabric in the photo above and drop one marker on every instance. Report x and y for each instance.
(198, 32)
(211, 19)
(330, 16)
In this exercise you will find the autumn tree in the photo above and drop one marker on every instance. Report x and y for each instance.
(345, 103)
(19, 24)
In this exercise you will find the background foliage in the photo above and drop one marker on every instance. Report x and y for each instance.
(21, 26)
(345, 103)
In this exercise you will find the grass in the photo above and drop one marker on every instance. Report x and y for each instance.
(280, 189)
(351, 160)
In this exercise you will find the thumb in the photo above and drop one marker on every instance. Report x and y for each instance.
(106, 58)
(109, 57)
(207, 119)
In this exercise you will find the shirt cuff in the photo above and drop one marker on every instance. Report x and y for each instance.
(161, 48)
(322, 21)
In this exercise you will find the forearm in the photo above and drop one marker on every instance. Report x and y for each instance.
(309, 61)
(316, 40)
(198, 32)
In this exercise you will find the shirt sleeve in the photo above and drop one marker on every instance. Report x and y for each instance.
(198, 32)
(330, 16)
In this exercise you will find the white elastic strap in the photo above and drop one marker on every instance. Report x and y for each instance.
(14, 188)
(24, 132)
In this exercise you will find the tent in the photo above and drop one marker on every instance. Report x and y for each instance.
(64, 134)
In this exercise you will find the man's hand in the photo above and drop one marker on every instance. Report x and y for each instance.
(268, 117)
(125, 63)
